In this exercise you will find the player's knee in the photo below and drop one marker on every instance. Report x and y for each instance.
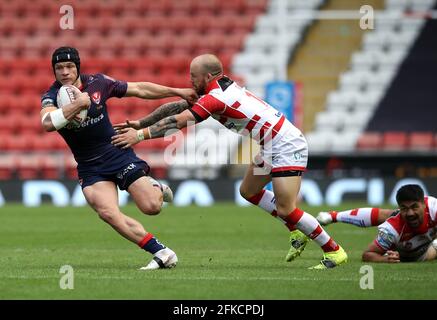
(151, 207)
(107, 215)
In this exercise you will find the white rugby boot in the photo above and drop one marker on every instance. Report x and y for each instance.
(324, 218)
(163, 259)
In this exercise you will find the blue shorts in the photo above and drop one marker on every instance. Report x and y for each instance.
(122, 167)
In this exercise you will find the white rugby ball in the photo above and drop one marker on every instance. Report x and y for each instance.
(66, 96)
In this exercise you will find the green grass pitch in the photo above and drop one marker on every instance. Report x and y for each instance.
(225, 252)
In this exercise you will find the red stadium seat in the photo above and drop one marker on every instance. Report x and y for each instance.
(28, 103)
(226, 59)
(135, 9)
(29, 166)
(205, 7)
(245, 23)
(159, 7)
(147, 24)
(394, 141)
(70, 166)
(44, 83)
(180, 81)
(179, 23)
(370, 141)
(30, 122)
(421, 141)
(231, 7)
(51, 166)
(184, 44)
(256, 6)
(43, 142)
(211, 43)
(118, 117)
(18, 142)
(177, 63)
(185, 7)
(8, 123)
(159, 44)
(7, 165)
(59, 143)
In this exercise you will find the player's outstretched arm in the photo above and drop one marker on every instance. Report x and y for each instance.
(149, 90)
(163, 111)
(127, 137)
(377, 254)
(53, 118)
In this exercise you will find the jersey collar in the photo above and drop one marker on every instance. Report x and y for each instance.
(213, 84)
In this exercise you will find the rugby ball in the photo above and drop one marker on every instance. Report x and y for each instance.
(66, 95)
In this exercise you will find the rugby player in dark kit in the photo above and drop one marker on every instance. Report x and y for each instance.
(102, 166)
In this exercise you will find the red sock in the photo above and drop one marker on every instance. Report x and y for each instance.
(265, 199)
(333, 215)
(146, 239)
(311, 227)
(330, 246)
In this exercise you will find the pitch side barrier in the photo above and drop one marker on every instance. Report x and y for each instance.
(373, 191)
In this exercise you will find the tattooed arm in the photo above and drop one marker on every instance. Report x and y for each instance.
(161, 112)
(178, 121)
(127, 137)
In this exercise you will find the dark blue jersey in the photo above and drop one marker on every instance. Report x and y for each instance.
(93, 138)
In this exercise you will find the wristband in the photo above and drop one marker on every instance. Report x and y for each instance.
(58, 119)
(140, 135)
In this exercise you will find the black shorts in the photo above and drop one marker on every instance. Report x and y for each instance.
(287, 173)
(119, 166)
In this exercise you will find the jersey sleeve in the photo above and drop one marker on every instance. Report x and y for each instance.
(432, 206)
(48, 99)
(115, 88)
(386, 238)
(206, 106)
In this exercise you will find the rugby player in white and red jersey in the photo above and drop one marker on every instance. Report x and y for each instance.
(410, 235)
(282, 160)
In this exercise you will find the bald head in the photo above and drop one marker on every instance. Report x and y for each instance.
(204, 69)
(208, 63)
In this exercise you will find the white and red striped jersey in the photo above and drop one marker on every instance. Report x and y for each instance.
(238, 109)
(395, 234)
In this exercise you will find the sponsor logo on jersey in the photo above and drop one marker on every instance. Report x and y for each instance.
(96, 97)
(88, 121)
(385, 238)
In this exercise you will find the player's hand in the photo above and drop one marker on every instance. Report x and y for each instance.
(125, 138)
(392, 256)
(128, 124)
(83, 100)
(188, 94)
